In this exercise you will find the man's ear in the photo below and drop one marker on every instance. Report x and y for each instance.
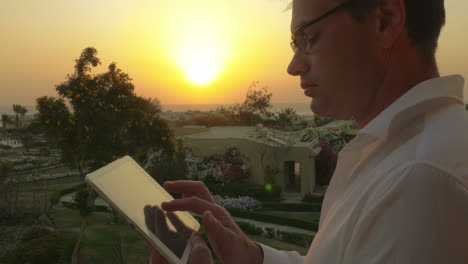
(391, 20)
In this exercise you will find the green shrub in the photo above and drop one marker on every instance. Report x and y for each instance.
(35, 232)
(43, 250)
(299, 239)
(253, 190)
(250, 228)
(270, 232)
(70, 205)
(73, 205)
(55, 197)
(292, 207)
(312, 198)
(265, 217)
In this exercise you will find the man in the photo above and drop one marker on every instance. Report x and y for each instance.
(400, 190)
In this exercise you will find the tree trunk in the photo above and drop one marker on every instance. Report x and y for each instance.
(76, 250)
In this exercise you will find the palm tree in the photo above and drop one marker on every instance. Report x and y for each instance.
(19, 110)
(286, 116)
(6, 119)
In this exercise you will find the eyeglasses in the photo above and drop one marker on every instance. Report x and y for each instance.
(298, 38)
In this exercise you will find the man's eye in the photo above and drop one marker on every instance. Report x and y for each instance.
(311, 41)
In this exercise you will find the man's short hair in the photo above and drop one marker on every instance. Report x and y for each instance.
(424, 21)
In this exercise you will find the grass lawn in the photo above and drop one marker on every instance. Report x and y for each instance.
(101, 237)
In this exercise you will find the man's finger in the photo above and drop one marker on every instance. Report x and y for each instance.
(196, 205)
(200, 252)
(220, 237)
(189, 188)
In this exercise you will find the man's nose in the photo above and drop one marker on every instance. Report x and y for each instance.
(298, 65)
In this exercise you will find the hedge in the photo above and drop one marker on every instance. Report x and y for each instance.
(55, 197)
(300, 239)
(264, 217)
(97, 208)
(293, 207)
(312, 198)
(303, 240)
(253, 190)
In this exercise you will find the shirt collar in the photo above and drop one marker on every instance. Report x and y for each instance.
(420, 99)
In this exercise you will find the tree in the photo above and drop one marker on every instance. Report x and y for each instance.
(6, 119)
(105, 120)
(19, 110)
(252, 110)
(257, 99)
(286, 117)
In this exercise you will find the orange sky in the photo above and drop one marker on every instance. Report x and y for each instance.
(243, 40)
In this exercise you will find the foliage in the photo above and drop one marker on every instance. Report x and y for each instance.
(286, 117)
(303, 240)
(293, 207)
(299, 239)
(207, 119)
(275, 219)
(165, 165)
(270, 232)
(325, 164)
(35, 232)
(228, 166)
(105, 120)
(313, 198)
(241, 203)
(6, 119)
(19, 110)
(250, 228)
(55, 197)
(256, 191)
(321, 121)
(252, 110)
(81, 199)
(43, 250)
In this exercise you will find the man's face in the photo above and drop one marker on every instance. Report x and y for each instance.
(341, 72)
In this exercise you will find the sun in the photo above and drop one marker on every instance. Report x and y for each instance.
(201, 61)
(201, 48)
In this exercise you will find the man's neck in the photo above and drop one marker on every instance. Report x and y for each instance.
(393, 87)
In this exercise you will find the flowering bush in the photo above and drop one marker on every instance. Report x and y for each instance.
(325, 163)
(242, 203)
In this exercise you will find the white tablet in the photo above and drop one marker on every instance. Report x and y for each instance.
(128, 188)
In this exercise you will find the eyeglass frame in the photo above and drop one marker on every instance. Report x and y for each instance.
(302, 27)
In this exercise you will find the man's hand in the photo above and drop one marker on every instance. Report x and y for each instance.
(155, 220)
(228, 241)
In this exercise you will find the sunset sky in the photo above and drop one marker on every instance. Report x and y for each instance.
(179, 51)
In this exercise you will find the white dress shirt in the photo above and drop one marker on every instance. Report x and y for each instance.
(399, 193)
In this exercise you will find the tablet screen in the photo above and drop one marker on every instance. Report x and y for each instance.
(130, 188)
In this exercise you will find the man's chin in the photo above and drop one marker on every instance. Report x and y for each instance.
(318, 109)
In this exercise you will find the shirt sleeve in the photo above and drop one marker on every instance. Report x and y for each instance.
(273, 256)
(421, 218)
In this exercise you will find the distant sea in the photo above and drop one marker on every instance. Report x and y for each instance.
(301, 109)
